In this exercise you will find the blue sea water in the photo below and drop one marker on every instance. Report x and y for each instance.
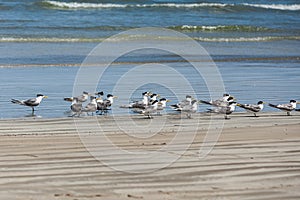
(255, 45)
(94, 20)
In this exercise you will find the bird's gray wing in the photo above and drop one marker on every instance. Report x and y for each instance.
(287, 107)
(31, 102)
(251, 107)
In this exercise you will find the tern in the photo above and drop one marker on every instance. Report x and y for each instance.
(254, 108)
(104, 105)
(224, 101)
(33, 102)
(226, 110)
(187, 101)
(82, 98)
(76, 107)
(149, 110)
(139, 104)
(286, 107)
(92, 106)
(100, 96)
(189, 109)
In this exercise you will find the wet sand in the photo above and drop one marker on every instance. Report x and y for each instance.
(254, 158)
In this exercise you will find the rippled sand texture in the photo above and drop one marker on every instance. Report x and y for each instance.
(254, 158)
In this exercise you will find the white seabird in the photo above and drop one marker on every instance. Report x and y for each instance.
(33, 102)
(153, 97)
(139, 104)
(224, 101)
(162, 104)
(82, 98)
(286, 107)
(226, 110)
(150, 109)
(92, 106)
(76, 107)
(187, 101)
(104, 105)
(254, 108)
(100, 96)
(189, 109)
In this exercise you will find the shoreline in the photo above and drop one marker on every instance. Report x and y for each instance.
(237, 120)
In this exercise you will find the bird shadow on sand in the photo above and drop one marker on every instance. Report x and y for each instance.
(33, 116)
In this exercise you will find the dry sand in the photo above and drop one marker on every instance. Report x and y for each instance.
(254, 158)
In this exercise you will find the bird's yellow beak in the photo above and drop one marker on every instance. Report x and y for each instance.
(298, 103)
(168, 100)
(238, 104)
(115, 97)
(45, 97)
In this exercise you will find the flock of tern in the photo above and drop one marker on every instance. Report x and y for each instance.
(150, 104)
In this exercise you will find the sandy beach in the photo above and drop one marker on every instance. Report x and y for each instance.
(254, 158)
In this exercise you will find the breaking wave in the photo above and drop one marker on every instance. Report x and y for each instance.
(83, 5)
(201, 39)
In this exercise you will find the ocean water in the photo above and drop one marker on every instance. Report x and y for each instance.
(255, 45)
(95, 20)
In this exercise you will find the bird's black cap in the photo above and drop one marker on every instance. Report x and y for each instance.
(230, 98)
(154, 102)
(100, 93)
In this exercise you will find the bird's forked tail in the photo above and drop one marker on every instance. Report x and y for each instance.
(272, 105)
(16, 101)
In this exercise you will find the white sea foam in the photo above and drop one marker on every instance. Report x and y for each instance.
(247, 39)
(45, 39)
(142, 37)
(75, 5)
(210, 28)
(292, 7)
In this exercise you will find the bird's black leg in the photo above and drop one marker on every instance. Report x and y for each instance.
(288, 113)
(32, 111)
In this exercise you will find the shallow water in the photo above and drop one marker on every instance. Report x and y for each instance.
(250, 77)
